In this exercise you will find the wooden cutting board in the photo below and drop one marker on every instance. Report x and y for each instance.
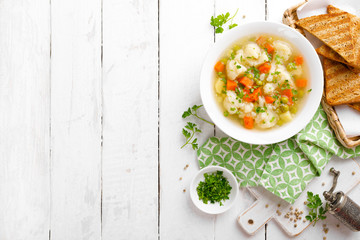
(268, 206)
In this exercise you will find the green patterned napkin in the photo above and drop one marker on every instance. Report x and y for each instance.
(284, 168)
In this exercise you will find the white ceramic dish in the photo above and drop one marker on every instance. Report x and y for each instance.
(303, 116)
(214, 208)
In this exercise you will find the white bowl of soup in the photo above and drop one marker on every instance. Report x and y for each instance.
(261, 83)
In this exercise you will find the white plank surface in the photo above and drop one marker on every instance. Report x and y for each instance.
(76, 119)
(91, 135)
(185, 37)
(24, 128)
(130, 123)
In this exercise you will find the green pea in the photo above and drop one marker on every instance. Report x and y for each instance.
(250, 75)
(300, 93)
(284, 108)
(284, 100)
(293, 109)
(280, 122)
(258, 82)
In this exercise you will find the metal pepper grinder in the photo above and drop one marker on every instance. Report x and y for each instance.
(341, 206)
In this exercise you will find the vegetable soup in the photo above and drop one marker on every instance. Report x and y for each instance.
(260, 81)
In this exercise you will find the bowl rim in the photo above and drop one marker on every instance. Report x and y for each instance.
(301, 119)
(205, 207)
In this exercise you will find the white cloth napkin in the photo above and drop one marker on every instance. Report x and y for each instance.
(349, 118)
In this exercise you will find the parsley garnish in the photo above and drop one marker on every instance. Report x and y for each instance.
(189, 132)
(215, 188)
(310, 90)
(193, 111)
(220, 20)
(317, 212)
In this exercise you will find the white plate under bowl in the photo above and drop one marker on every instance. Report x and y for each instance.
(303, 116)
(214, 208)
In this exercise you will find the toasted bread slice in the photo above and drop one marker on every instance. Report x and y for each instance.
(355, 106)
(332, 9)
(327, 52)
(355, 32)
(341, 85)
(334, 30)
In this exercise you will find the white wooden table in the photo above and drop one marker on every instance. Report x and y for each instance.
(91, 97)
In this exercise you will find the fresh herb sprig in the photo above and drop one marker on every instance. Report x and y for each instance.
(193, 112)
(215, 188)
(189, 132)
(317, 211)
(221, 19)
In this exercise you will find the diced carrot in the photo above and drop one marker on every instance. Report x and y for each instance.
(269, 48)
(252, 97)
(248, 122)
(261, 41)
(269, 99)
(288, 93)
(256, 94)
(247, 82)
(299, 60)
(301, 82)
(265, 68)
(231, 85)
(219, 66)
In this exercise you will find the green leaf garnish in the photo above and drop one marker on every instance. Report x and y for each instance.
(193, 112)
(317, 211)
(222, 19)
(189, 132)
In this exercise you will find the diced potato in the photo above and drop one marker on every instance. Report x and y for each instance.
(219, 86)
(286, 117)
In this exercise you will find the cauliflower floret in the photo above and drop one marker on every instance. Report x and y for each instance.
(282, 49)
(266, 119)
(256, 62)
(245, 109)
(269, 88)
(283, 75)
(231, 102)
(263, 58)
(262, 76)
(296, 72)
(234, 69)
(252, 50)
(261, 101)
(271, 73)
(239, 57)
